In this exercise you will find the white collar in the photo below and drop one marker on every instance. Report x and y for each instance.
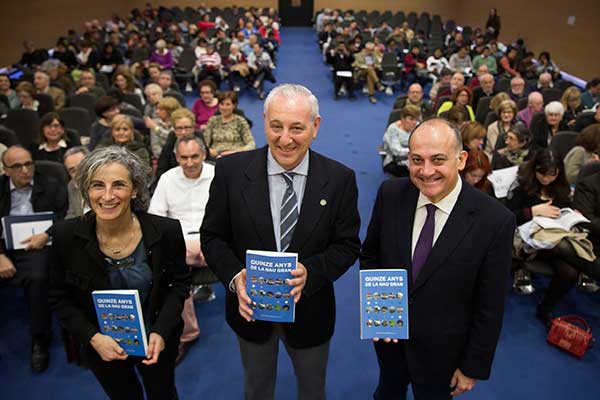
(447, 203)
(273, 167)
(61, 144)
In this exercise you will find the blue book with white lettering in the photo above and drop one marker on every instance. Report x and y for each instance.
(383, 304)
(267, 277)
(119, 314)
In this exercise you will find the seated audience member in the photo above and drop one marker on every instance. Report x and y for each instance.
(485, 89)
(106, 108)
(153, 94)
(87, 58)
(535, 104)
(236, 67)
(161, 126)
(474, 81)
(11, 95)
(26, 94)
(261, 68)
(587, 146)
(486, 58)
(367, 63)
(166, 82)
(477, 168)
(591, 96)
(52, 141)
(87, 84)
(41, 81)
(544, 129)
(415, 97)
(458, 114)
(209, 66)
(124, 82)
(545, 64)
(226, 132)
(184, 124)
(586, 200)
(461, 62)
(462, 97)
(123, 134)
(517, 148)
(182, 193)
(586, 120)
(341, 61)
(543, 190)
(414, 67)
(443, 82)
(111, 56)
(527, 68)
(59, 76)
(207, 105)
(518, 89)
(161, 55)
(24, 192)
(153, 70)
(507, 66)
(456, 81)
(544, 81)
(473, 135)
(72, 158)
(436, 63)
(496, 131)
(571, 101)
(395, 141)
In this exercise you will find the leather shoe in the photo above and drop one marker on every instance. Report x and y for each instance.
(39, 356)
(182, 350)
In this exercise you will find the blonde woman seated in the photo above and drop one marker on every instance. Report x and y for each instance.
(496, 133)
(473, 135)
(395, 141)
(153, 94)
(123, 134)
(226, 132)
(571, 101)
(161, 126)
(517, 148)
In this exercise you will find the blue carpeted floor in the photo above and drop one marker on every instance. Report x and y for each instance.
(525, 366)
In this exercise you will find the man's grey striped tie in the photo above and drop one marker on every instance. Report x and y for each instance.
(289, 212)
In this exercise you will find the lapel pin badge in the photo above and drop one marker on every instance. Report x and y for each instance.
(323, 202)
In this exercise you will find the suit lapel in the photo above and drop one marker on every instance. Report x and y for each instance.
(312, 202)
(404, 217)
(458, 224)
(256, 195)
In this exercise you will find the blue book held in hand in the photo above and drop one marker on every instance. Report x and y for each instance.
(267, 277)
(119, 314)
(383, 304)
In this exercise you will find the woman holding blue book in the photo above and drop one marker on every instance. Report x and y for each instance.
(117, 245)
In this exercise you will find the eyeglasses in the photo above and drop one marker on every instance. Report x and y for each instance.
(19, 166)
(184, 128)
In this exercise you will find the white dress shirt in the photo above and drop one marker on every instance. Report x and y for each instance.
(443, 209)
(182, 198)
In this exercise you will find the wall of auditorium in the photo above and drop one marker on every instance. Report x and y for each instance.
(543, 26)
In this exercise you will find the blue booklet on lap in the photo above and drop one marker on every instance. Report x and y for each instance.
(119, 314)
(383, 304)
(267, 277)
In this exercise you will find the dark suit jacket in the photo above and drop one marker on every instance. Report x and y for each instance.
(457, 301)
(48, 194)
(77, 268)
(238, 218)
(587, 201)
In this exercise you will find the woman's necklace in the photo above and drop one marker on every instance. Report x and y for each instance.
(117, 251)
